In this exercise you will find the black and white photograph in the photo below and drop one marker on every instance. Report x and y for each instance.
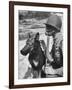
(39, 44)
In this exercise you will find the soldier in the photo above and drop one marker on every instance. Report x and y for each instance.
(55, 57)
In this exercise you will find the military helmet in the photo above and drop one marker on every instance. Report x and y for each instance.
(55, 22)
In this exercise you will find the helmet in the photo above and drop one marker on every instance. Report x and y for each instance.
(55, 22)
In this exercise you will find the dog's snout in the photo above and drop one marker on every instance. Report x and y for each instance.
(21, 52)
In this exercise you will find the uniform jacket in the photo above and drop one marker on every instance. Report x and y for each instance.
(57, 52)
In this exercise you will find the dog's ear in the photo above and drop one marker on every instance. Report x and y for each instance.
(37, 36)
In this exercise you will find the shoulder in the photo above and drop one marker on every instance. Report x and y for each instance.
(58, 39)
(59, 36)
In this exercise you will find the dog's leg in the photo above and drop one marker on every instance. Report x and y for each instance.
(39, 74)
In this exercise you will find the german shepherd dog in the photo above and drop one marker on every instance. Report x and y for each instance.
(37, 56)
